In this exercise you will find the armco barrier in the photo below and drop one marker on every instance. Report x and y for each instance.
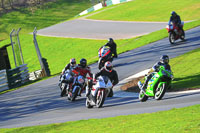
(17, 76)
(99, 6)
(94, 8)
(3, 81)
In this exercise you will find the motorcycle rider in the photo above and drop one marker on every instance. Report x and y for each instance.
(175, 19)
(108, 71)
(69, 66)
(164, 61)
(83, 69)
(113, 47)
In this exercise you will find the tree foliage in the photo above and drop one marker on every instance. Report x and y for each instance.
(12, 4)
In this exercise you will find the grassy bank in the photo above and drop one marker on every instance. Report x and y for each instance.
(41, 16)
(150, 10)
(186, 70)
(58, 51)
(175, 120)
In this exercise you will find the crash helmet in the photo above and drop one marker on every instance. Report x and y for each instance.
(108, 66)
(164, 59)
(173, 13)
(83, 62)
(110, 40)
(72, 61)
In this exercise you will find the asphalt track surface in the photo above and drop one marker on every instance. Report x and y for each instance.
(40, 103)
(97, 29)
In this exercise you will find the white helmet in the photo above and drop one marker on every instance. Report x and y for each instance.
(73, 62)
(108, 66)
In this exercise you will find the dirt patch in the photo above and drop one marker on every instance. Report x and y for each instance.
(132, 86)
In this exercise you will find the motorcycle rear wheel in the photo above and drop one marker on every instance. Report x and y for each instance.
(171, 37)
(160, 92)
(142, 96)
(100, 99)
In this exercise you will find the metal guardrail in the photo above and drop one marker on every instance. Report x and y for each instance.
(17, 76)
(3, 81)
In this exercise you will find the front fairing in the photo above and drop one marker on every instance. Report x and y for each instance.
(163, 76)
(151, 84)
(102, 83)
(79, 83)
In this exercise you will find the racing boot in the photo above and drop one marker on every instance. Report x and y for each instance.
(110, 93)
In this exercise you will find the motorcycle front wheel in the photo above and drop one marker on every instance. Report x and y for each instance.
(63, 87)
(172, 37)
(142, 96)
(100, 98)
(160, 91)
(75, 94)
(100, 63)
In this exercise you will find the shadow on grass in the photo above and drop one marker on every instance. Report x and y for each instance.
(186, 82)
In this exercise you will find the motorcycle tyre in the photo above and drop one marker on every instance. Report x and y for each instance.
(172, 37)
(74, 95)
(143, 97)
(100, 104)
(159, 97)
(100, 63)
(63, 89)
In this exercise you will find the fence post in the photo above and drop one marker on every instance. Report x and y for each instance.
(44, 73)
(12, 43)
(20, 45)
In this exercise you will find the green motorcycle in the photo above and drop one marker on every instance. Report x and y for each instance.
(157, 85)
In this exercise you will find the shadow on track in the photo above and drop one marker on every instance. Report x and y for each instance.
(183, 95)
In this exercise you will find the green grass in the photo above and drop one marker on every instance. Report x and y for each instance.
(40, 17)
(175, 120)
(186, 70)
(58, 51)
(150, 10)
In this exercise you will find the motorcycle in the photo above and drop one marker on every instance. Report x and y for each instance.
(175, 33)
(100, 90)
(77, 86)
(66, 79)
(157, 85)
(105, 54)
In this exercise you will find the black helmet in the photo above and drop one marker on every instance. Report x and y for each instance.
(108, 66)
(165, 59)
(110, 40)
(83, 62)
(173, 13)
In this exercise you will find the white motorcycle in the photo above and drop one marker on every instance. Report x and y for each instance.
(99, 92)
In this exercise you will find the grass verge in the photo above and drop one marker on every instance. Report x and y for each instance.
(186, 70)
(175, 120)
(41, 16)
(150, 10)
